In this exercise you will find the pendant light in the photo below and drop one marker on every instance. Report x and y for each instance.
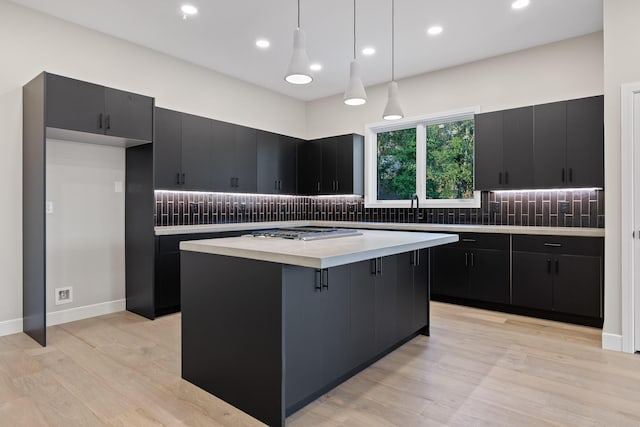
(393, 110)
(355, 94)
(299, 72)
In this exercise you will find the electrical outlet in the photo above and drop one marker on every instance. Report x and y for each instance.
(194, 207)
(63, 295)
(564, 207)
(318, 207)
(338, 208)
(243, 207)
(118, 186)
(352, 207)
(495, 207)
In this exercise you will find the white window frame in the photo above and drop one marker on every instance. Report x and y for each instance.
(420, 123)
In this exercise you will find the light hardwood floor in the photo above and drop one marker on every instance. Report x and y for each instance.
(477, 368)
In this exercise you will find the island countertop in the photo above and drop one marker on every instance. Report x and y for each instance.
(320, 253)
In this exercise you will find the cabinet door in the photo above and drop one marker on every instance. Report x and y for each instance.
(287, 164)
(268, 146)
(405, 291)
(309, 168)
(167, 286)
(344, 164)
(421, 290)
(489, 275)
(167, 150)
(303, 329)
(329, 165)
(550, 145)
(576, 286)
(222, 156)
(450, 272)
(517, 148)
(128, 115)
(362, 312)
(386, 300)
(197, 138)
(245, 160)
(585, 142)
(532, 284)
(488, 151)
(335, 324)
(75, 105)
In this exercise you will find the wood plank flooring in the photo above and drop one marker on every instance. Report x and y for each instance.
(478, 368)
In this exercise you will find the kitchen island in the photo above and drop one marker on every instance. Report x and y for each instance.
(270, 324)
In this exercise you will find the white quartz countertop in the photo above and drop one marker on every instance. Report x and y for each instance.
(320, 253)
(446, 228)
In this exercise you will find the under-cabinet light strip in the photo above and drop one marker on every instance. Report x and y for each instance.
(540, 190)
(327, 196)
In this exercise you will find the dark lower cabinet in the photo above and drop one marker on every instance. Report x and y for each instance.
(362, 313)
(386, 297)
(476, 267)
(553, 277)
(558, 274)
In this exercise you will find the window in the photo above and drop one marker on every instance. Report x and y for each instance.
(430, 156)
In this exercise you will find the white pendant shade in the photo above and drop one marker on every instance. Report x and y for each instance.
(355, 94)
(393, 110)
(299, 72)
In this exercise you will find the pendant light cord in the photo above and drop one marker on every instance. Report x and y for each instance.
(393, 39)
(354, 29)
(298, 13)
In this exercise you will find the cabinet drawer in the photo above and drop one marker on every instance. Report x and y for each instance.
(482, 241)
(559, 244)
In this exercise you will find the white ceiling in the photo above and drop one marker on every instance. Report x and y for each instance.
(222, 36)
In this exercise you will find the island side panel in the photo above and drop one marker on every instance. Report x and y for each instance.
(232, 331)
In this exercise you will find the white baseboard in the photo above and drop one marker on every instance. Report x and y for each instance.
(611, 341)
(8, 327)
(79, 313)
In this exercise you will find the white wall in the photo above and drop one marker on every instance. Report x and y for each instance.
(568, 69)
(622, 65)
(85, 230)
(31, 42)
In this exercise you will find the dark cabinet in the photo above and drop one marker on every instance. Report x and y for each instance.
(560, 274)
(362, 312)
(504, 149)
(333, 165)
(276, 163)
(569, 143)
(476, 268)
(412, 301)
(182, 151)
(386, 296)
(85, 107)
(234, 158)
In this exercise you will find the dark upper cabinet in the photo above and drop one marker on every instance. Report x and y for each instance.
(504, 149)
(245, 161)
(221, 164)
(85, 107)
(569, 143)
(182, 151)
(167, 149)
(333, 165)
(560, 274)
(309, 168)
(276, 163)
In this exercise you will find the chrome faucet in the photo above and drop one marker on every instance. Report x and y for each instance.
(416, 210)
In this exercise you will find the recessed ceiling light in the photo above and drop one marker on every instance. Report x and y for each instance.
(188, 10)
(519, 4)
(263, 43)
(368, 51)
(435, 30)
(315, 67)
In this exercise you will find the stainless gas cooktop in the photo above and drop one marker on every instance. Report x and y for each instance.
(306, 233)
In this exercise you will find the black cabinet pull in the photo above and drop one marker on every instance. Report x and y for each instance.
(506, 177)
(469, 240)
(553, 245)
(275, 184)
(557, 267)
(379, 265)
(466, 259)
(325, 278)
(318, 186)
(472, 261)
(570, 174)
(499, 177)
(374, 266)
(337, 185)
(100, 122)
(107, 121)
(548, 266)
(412, 259)
(183, 175)
(562, 174)
(417, 257)
(318, 287)
(178, 178)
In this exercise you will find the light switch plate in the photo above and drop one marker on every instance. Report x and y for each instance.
(48, 207)
(118, 186)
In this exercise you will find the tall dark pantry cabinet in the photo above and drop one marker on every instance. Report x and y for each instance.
(68, 109)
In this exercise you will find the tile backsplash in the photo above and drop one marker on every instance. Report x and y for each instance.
(565, 208)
